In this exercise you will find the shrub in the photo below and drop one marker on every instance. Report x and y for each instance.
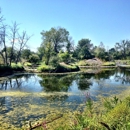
(27, 64)
(17, 67)
(117, 118)
(66, 68)
(45, 68)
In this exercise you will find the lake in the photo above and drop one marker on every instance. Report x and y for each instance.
(34, 97)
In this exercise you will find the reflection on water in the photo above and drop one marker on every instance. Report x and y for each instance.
(33, 97)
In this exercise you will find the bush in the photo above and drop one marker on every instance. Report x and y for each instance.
(45, 68)
(117, 118)
(66, 68)
(27, 64)
(17, 67)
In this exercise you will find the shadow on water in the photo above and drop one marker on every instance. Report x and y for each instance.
(34, 97)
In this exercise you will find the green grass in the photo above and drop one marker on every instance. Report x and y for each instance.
(126, 62)
(17, 67)
(82, 63)
(66, 68)
(109, 64)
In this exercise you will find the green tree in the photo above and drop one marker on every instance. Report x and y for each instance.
(57, 36)
(83, 50)
(47, 51)
(100, 51)
(123, 47)
(25, 53)
(64, 57)
(34, 58)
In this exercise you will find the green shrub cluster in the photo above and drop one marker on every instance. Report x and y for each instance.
(58, 69)
(17, 67)
(116, 116)
(28, 64)
(45, 68)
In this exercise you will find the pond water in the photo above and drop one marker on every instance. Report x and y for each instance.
(34, 97)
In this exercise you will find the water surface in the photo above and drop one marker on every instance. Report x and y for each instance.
(33, 97)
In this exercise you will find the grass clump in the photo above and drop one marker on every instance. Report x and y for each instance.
(109, 64)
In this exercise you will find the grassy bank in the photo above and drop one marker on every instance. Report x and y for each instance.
(60, 68)
(7, 70)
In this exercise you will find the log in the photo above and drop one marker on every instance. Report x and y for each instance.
(43, 123)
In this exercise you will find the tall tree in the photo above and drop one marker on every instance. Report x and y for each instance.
(3, 47)
(57, 36)
(18, 41)
(3, 50)
(123, 47)
(100, 51)
(47, 51)
(84, 48)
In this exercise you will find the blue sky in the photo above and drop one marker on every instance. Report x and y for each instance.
(106, 21)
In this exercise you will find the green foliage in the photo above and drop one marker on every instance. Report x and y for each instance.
(25, 54)
(17, 67)
(54, 61)
(66, 68)
(109, 64)
(83, 50)
(57, 36)
(34, 58)
(124, 62)
(118, 116)
(83, 63)
(27, 64)
(64, 57)
(47, 48)
(45, 68)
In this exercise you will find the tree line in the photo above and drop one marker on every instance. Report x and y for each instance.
(57, 46)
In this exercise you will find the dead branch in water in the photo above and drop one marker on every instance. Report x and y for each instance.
(43, 124)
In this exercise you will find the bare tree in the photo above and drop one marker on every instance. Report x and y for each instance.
(13, 39)
(3, 48)
(18, 42)
(22, 41)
